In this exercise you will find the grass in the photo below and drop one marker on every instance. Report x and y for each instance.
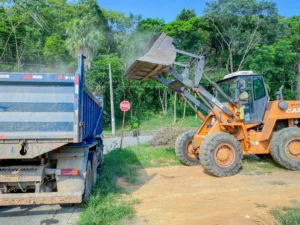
(276, 182)
(287, 215)
(260, 205)
(109, 202)
(253, 166)
(154, 123)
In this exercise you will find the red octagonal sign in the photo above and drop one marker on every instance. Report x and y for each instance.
(125, 106)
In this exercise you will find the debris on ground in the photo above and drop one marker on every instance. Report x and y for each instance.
(167, 136)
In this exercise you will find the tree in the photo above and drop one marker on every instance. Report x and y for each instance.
(150, 25)
(84, 38)
(191, 35)
(293, 35)
(186, 14)
(240, 25)
(54, 49)
(276, 62)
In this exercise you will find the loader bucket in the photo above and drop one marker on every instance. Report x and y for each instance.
(159, 54)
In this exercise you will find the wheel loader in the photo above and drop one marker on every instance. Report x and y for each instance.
(240, 118)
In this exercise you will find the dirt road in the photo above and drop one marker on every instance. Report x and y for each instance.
(187, 195)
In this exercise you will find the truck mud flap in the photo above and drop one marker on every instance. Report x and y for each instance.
(40, 198)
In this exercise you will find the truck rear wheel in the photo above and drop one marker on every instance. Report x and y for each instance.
(184, 149)
(88, 182)
(95, 169)
(285, 148)
(221, 154)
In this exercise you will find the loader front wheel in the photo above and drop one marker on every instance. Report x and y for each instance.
(285, 148)
(184, 149)
(221, 154)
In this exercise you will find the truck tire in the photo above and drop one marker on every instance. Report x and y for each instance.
(95, 169)
(88, 182)
(285, 148)
(184, 149)
(221, 154)
(101, 154)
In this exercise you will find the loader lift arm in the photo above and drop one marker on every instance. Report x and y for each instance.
(158, 60)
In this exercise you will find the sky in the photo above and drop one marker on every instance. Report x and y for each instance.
(168, 9)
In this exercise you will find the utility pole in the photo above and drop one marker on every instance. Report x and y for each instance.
(112, 107)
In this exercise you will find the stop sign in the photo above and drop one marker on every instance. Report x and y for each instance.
(125, 106)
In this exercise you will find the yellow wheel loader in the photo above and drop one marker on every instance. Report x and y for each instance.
(241, 119)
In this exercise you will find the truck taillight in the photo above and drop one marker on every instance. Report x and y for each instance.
(67, 172)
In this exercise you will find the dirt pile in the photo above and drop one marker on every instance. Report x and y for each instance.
(167, 136)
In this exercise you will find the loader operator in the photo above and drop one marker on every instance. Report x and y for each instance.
(244, 96)
(244, 100)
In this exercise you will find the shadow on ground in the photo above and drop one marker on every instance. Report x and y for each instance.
(39, 215)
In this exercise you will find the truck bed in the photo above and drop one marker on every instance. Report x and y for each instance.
(42, 111)
(36, 106)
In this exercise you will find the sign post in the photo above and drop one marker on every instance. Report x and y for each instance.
(124, 106)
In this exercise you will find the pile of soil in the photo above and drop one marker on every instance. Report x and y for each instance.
(167, 136)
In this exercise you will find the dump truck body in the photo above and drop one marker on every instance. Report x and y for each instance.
(50, 137)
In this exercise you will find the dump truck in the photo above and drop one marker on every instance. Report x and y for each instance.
(240, 118)
(51, 144)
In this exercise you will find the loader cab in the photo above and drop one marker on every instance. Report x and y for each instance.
(249, 90)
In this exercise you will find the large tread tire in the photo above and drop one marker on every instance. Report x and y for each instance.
(88, 182)
(208, 150)
(279, 144)
(180, 149)
(101, 154)
(95, 169)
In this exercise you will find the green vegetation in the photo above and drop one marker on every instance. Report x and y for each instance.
(109, 202)
(154, 123)
(260, 205)
(277, 182)
(253, 166)
(44, 36)
(288, 215)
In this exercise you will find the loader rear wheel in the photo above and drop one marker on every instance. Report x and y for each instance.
(285, 148)
(221, 154)
(184, 149)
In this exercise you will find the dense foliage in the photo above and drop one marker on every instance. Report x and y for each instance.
(233, 35)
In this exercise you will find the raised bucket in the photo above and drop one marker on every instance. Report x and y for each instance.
(159, 54)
